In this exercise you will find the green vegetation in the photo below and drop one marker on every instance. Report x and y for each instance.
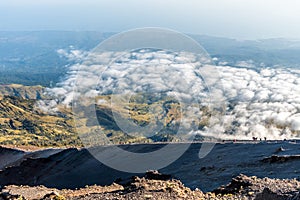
(23, 123)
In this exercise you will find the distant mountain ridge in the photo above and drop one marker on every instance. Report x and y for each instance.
(31, 58)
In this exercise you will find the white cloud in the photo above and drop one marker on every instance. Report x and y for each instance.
(72, 54)
(262, 103)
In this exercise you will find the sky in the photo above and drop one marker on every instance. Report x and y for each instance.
(239, 19)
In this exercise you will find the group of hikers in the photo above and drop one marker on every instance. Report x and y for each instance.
(253, 138)
(256, 138)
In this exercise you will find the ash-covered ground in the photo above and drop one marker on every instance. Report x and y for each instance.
(77, 168)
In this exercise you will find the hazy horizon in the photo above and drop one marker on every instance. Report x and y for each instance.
(227, 18)
(186, 33)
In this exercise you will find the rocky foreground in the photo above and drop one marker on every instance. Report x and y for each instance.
(154, 185)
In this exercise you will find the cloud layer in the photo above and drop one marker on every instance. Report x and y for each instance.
(260, 102)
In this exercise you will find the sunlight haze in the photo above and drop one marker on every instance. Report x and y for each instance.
(241, 19)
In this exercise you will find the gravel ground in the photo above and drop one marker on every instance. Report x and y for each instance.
(158, 186)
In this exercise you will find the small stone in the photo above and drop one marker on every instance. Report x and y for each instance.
(148, 196)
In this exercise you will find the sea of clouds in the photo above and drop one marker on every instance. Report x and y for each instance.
(260, 102)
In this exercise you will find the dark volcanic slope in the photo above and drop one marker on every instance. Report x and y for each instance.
(73, 168)
(8, 156)
(13, 158)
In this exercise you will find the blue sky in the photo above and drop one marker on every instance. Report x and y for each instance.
(241, 19)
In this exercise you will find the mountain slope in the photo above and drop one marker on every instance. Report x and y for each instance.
(25, 92)
(22, 123)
